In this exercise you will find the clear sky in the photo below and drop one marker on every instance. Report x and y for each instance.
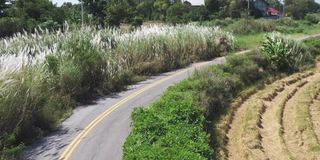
(60, 2)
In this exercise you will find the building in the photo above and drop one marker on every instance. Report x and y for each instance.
(265, 8)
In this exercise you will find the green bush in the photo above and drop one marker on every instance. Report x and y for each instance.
(9, 26)
(247, 26)
(248, 70)
(313, 18)
(137, 21)
(285, 54)
(287, 21)
(313, 45)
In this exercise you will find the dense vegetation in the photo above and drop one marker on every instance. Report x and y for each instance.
(43, 74)
(19, 15)
(179, 125)
(254, 26)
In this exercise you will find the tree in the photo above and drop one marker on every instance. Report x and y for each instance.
(299, 8)
(212, 5)
(161, 7)
(97, 9)
(145, 9)
(177, 12)
(116, 13)
(3, 6)
(234, 8)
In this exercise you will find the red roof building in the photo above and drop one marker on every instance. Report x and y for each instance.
(272, 11)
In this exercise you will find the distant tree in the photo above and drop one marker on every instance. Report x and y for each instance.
(36, 9)
(3, 6)
(72, 13)
(212, 5)
(198, 14)
(161, 7)
(235, 8)
(97, 9)
(145, 9)
(299, 8)
(274, 3)
(116, 13)
(177, 13)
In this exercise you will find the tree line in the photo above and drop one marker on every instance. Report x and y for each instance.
(18, 15)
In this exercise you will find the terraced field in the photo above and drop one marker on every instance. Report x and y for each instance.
(277, 121)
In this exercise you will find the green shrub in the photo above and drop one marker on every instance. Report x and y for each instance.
(9, 26)
(137, 21)
(313, 18)
(248, 70)
(287, 21)
(313, 45)
(247, 26)
(285, 54)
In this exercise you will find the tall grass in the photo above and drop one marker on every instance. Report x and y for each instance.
(43, 74)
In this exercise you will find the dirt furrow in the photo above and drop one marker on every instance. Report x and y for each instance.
(245, 131)
(298, 133)
(271, 140)
(254, 133)
(271, 120)
(315, 115)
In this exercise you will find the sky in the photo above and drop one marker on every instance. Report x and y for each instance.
(60, 2)
(196, 2)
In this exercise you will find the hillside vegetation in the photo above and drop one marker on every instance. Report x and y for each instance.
(202, 118)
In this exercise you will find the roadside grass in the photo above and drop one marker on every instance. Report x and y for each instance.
(252, 41)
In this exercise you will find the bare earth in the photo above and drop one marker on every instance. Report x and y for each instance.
(278, 122)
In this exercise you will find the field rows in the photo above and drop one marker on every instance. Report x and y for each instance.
(275, 121)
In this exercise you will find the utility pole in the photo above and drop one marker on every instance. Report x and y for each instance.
(283, 8)
(248, 8)
(82, 20)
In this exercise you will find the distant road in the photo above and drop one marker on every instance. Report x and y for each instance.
(98, 131)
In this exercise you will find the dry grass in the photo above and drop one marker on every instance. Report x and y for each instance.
(299, 135)
(247, 133)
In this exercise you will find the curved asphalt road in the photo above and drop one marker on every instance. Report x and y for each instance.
(104, 141)
(98, 131)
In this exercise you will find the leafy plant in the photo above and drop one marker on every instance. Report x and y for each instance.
(285, 54)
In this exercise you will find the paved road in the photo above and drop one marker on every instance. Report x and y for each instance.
(98, 131)
(104, 140)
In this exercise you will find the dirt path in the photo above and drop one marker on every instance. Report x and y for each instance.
(256, 130)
